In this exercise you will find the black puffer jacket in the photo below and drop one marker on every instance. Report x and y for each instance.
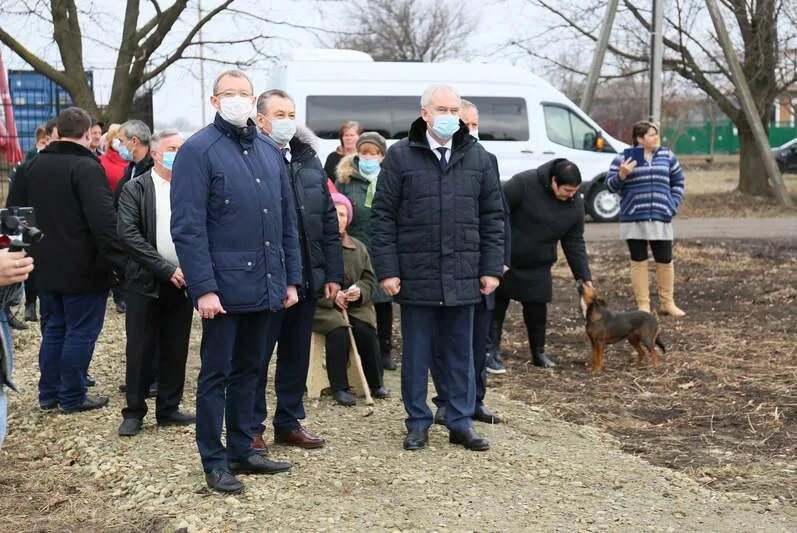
(319, 237)
(437, 230)
(539, 222)
(136, 226)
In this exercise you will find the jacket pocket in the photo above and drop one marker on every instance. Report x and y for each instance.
(239, 277)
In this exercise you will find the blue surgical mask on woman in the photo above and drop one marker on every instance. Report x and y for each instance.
(168, 160)
(369, 167)
(445, 126)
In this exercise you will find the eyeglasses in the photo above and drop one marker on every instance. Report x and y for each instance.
(230, 94)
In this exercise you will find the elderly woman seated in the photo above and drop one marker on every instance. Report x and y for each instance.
(355, 300)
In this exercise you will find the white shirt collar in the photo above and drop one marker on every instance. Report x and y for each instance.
(434, 145)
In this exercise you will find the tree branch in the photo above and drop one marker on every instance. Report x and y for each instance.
(33, 60)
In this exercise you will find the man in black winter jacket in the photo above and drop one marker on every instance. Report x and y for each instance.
(159, 312)
(322, 274)
(66, 185)
(438, 246)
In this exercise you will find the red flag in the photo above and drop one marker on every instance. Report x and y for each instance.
(9, 141)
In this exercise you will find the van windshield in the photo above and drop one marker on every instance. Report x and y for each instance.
(500, 118)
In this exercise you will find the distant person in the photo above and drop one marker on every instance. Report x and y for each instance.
(355, 300)
(159, 312)
(41, 142)
(95, 133)
(322, 273)
(112, 162)
(651, 194)
(545, 210)
(348, 134)
(235, 229)
(357, 177)
(66, 186)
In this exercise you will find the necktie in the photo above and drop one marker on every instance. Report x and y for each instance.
(443, 161)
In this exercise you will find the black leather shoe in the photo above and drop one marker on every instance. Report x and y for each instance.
(15, 323)
(482, 413)
(440, 415)
(129, 427)
(178, 418)
(469, 439)
(223, 481)
(416, 439)
(257, 464)
(153, 391)
(90, 382)
(90, 403)
(388, 363)
(540, 359)
(344, 398)
(381, 393)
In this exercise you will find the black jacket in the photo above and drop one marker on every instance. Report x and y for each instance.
(67, 187)
(319, 237)
(136, 225)
(437, 230)
(133, 170)
(539, 222)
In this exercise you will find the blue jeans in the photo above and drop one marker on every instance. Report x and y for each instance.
(430, 333)
(71, 324)
(3, 414)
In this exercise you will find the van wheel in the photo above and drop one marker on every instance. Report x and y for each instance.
(602, 204)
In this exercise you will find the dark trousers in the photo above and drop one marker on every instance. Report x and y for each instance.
(290, 331)
(30, 289)
(337, 348)
(662, 250)
(444, 333)
(535, 316)
(158, 331)
(384, 327)
(71, 324)
(232, 352)
(481, 327)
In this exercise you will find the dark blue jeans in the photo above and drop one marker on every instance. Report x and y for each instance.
(482, 316)
(432, 333)
(233, 350)
(71, 324)
(291, 331)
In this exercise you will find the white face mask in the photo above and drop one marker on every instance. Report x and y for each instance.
(236, 109)
(282, 130)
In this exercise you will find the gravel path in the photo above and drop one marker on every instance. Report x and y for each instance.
(704, 228)
(542, 474)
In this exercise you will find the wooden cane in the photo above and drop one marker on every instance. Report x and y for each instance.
(358, 364)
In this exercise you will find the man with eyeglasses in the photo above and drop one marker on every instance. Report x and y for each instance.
(235, 230)
(438, 246)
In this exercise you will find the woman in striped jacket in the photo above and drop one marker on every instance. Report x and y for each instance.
(651, 194)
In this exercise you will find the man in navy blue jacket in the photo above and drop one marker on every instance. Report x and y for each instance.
(234, 228)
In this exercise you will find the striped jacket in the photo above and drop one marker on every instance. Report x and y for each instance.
(652, 191)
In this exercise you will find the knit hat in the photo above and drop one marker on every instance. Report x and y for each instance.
(340, 199)
(374, 138)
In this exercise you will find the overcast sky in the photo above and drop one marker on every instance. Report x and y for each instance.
(178, 100)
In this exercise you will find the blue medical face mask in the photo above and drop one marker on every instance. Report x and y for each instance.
(120, 147)
(445, 126)
(368, 167)
(168, 160)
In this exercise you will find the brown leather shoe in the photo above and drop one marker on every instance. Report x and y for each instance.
(300, 438)
(259, 445)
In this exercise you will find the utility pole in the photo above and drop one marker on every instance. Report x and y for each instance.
(656, 58)
(201, 65)
(600, 53)
(748, 106)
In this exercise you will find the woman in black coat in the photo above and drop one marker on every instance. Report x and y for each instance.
(545, 208)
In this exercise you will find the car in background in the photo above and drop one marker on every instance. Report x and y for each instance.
(786, 156)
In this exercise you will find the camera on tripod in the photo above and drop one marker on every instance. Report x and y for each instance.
(18, 228)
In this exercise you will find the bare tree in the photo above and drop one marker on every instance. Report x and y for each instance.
(408, 30)
(142, 55)
(763, 31)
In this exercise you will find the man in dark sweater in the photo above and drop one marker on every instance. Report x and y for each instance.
(66, 186)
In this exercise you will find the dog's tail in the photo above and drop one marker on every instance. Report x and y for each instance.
(660, 344)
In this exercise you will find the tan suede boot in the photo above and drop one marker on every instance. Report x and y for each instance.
(665, 278)
(641, 285)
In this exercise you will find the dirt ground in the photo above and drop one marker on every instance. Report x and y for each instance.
(723, 406)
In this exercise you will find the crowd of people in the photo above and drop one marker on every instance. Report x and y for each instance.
(242, 224)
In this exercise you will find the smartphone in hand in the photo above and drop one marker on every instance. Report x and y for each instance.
(637, 153)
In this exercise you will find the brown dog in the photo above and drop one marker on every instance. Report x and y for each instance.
(607, 327)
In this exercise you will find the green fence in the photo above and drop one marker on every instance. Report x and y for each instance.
(696, 138)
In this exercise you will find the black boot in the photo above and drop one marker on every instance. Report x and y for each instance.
(30, 312)
(387, 362)
(539, 358)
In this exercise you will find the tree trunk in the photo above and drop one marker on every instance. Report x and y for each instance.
(752, 176)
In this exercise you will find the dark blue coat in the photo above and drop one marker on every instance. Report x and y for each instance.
(233, 218)
(319, 235)
(437, 230)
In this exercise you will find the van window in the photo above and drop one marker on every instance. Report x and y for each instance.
(568, 129)
(500, 118)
